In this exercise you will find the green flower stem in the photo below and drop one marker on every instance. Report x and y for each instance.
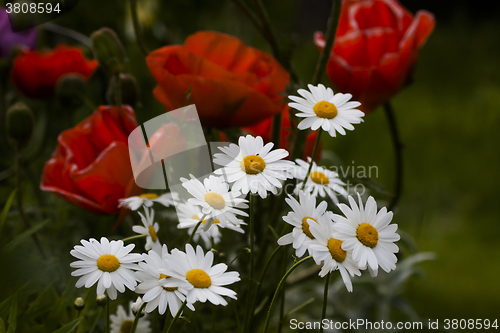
(276, 131)
(131, 238)
(283, 293)
(118, 90)
(320, 68)
(315, 149)
(267, 26)
(177, 315)
(257, 291)
(136, 319)
(195, 228)
(325, 300)
(252, 17)
(330, 40)
(251, 226)
(108, 322)
(49, 26)
(137, 28)
(278, 289)
(398, 152)
(20, 206)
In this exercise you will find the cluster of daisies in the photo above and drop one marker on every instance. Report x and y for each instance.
(362, 238)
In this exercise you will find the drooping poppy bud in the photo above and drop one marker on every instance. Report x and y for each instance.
(109, 51)
(20, 124)
(69, 89)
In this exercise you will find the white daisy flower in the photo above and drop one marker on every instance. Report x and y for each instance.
(151, 284)
(253, 167)
(122, 322)
(194, 272)
(301, 217)
(321, 181)
(327, 250)
(108, 263)
(215, 200)
(368, 235)
(147, 199)
(190, 215)
(150, 229)
(322, 108)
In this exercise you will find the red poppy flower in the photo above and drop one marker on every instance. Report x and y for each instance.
(230, 83)
(91, 166)
(375, 49)
(264, 129)
(35, 73)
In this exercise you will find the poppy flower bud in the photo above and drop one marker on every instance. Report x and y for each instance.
(109, 51)
(20, 124)
(69, 88)
(79, 303)
(129, 89)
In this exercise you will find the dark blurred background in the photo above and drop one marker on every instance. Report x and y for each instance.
(449, 121)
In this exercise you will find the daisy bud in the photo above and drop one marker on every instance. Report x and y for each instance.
(129, 89)
(109, 51)
(79, 303)
(20, 123)
(69, 88)
(136, 306)
(101, 300)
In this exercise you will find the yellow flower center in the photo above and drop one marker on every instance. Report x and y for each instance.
(253, 164)
(367, 235)
(108, 263)
(164, 276)
(126, 326)
(149, 196)
(334, 246)
(152, 233)
(319, 178)
(215, 200)
(305, 226)
(326, 110)
(199, 278)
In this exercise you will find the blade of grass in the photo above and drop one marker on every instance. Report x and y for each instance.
(6, 208)
(19, 239)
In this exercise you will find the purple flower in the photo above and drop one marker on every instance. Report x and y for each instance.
(9, 39)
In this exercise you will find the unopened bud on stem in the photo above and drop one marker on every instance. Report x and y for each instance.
(20, 124)
(109, 51)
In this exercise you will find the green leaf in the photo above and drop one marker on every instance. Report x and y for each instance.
(2, 326)
(300, 306)
(69, 327)
(13, 314)
(6, 208)
(273, 231)
(19, 239)
(42, 304)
